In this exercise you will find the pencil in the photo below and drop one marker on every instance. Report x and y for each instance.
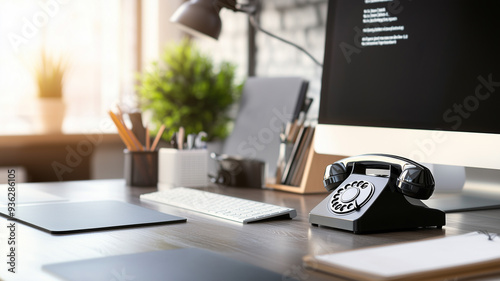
(121, 131)
(136, 142)
(129, 132)
(158, 137)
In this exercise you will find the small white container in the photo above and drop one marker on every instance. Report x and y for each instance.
(187, 168)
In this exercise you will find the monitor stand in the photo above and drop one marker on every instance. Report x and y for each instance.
(481, 189)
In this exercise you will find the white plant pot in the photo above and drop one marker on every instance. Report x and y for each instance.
(50, 115)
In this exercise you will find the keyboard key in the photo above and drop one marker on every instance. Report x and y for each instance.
(218, 205)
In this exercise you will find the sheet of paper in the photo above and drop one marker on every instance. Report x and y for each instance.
(426, 255)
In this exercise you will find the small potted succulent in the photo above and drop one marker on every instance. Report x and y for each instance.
(49, 75)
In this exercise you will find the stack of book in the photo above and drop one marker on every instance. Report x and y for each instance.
(299, 168)
(291, 163)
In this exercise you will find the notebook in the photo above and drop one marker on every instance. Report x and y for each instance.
(449, 258)
(172, 265)
(70, 217)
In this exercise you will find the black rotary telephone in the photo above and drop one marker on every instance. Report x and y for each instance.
(377, 192)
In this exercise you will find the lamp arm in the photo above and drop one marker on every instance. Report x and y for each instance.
(236, 7)
(254, 23)
(251, 10)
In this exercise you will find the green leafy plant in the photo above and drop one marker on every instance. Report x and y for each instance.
(49, 75)
(185, 88)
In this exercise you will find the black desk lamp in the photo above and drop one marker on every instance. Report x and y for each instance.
(201, 17)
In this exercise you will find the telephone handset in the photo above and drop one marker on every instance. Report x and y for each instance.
(377, 192)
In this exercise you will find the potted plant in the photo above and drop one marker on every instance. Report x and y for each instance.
(49, 75)
(186, 88)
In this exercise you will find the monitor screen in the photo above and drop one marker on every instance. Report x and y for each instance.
(418, 79)
(423, 64)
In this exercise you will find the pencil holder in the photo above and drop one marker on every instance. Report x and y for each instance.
(141, 168)
(187, 168)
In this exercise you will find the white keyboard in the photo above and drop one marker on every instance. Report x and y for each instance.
(218, 205)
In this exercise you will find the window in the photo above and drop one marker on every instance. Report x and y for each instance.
(98, 39)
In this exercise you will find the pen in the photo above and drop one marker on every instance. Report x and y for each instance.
(173, 140)
(190, 141)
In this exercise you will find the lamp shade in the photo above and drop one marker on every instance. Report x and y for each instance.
(199, 17)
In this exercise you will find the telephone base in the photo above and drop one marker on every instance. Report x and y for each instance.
(356, 228)
(367, 201)
(388, 211)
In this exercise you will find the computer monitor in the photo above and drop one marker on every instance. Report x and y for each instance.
(419, 79)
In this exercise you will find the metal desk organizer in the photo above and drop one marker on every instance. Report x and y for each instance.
(239, 172)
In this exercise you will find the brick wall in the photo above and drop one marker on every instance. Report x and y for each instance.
(299, 21)
(232, 43)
